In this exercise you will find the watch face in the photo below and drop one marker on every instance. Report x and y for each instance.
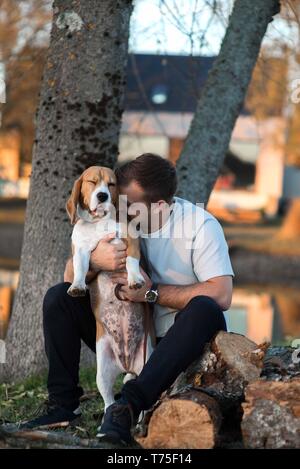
(151, 295)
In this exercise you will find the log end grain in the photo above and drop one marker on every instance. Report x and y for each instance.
(189, 421)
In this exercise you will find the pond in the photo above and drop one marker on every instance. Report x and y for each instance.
(260, 312)
(265, 313)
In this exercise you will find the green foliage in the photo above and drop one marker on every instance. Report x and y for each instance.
(20, 401)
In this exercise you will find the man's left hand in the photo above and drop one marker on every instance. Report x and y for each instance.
(131, 294)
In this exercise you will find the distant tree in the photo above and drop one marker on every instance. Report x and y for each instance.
(290, 229)
(23, 82)
(267, 91)
(23, 41)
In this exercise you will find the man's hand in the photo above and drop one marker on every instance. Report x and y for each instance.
(109, 256)
(106, 256)
(131, 294)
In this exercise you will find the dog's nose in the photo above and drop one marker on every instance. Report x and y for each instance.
(102, 196)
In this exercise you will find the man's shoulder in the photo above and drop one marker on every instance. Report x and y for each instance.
(185, 208)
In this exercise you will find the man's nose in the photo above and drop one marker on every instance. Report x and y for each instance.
(102, 196)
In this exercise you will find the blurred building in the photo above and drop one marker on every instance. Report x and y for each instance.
(14, 176)
(160, 100)
(265, 314)
(9, 155)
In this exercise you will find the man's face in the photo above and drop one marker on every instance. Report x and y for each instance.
(134, 193)
(149, 215)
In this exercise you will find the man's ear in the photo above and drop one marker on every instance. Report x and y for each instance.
(73, 200)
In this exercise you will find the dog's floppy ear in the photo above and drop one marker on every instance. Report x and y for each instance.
(73, 200)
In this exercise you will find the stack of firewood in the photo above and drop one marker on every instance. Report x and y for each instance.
(239, 394)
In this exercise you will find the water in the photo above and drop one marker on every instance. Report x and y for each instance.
(265, 313)
(260, 312)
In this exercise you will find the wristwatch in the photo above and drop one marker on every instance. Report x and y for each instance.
(151, 295)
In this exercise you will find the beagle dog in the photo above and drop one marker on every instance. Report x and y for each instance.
(123, 339)
(91, 208)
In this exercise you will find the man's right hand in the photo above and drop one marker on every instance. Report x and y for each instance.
(109, 256)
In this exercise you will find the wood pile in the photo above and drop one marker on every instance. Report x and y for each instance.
(238, 394)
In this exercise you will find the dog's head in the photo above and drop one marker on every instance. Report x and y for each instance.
(93, 194)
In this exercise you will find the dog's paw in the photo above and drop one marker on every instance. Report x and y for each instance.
(128, 377)
(136, 281)
(75, 290)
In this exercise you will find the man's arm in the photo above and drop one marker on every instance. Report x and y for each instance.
(177, 296)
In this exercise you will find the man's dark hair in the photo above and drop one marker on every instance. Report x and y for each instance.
(156, 176)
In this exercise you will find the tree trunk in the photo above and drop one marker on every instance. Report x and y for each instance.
(272, 414)
(78, 124)
(222, 98)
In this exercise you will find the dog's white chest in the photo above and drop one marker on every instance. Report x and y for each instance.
(87, 235)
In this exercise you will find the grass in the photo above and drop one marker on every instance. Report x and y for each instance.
(20, 401)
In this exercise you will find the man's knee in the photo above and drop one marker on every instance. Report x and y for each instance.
(54, 297)
(202, 306)
(204, 301)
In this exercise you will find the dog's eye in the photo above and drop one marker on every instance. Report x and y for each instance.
(92, 182)
(111, 184)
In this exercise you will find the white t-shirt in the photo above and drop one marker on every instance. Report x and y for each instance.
(189, 247)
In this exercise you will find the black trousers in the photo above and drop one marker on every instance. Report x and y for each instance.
(68, 320)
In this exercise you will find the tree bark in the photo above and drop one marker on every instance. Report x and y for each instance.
(78, 124)
(227, 365)
(272, 414)
(281, 363)
(222, 98)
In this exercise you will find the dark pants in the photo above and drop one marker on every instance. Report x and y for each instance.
(67, 320)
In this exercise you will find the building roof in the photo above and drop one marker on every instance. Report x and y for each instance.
(165, 82)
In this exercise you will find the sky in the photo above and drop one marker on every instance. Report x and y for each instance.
(176, 27)
(164, 27)
(179, 27)
(184, 27)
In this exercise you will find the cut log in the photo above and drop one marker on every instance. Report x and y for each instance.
(281, 363)
(229, 362)
(189, 420)
(191, 413)
(272, 414)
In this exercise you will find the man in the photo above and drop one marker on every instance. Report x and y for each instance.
(188, 279)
